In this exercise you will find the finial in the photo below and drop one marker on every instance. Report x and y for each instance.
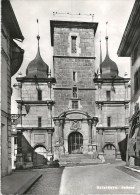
(106, 40)
(38, 37)
(106, 30)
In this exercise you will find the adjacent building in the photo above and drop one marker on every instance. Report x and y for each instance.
(130, 47)
(11, 60)
(112, 108)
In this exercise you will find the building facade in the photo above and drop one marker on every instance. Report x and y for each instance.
(72, 111)
(11, 59)
(130, 47)
(112, 98)
(74, 92)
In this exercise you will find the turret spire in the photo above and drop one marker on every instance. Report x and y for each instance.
(100, 70)
(38, 38)
(107, 54)
(100, 50)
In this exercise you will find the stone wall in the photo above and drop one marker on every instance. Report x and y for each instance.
(6, 102)
(81, 62)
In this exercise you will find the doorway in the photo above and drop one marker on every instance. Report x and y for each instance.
(39, 155)
(75, 143)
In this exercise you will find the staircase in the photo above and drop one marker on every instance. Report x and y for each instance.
(77, 159)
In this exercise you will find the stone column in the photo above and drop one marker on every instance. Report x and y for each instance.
(57, 143)
(50, 132)
(61, 132)
(61, 149)
(57, 124)
(19, 157)
(100, 150)
(90, 131)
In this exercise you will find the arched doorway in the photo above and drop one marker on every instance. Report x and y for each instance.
(109, 151)
(39, 155)
(75, 143)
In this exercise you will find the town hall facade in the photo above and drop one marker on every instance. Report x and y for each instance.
(62, 108)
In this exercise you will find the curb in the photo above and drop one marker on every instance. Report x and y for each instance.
(28, 184)
(132, 169)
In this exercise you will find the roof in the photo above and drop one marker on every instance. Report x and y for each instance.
(37, 67)
(71, 24)
(10, 21)
(131, 35)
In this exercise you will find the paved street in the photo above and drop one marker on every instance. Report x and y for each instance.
(87, 180)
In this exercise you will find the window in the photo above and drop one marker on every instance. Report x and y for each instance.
(39, 121)
(73, 44)
(15, 140)
(108, 121)
(108, 95)
(39, 95)
(74, 91)
(75, 76)
(137, 81)
(74, 104)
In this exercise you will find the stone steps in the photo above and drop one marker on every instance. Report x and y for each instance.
(77, 159)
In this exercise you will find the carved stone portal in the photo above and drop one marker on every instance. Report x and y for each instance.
(75, 125)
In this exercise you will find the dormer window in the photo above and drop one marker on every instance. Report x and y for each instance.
(39, 94)
(73, 44)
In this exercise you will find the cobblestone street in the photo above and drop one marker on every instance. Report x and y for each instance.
(49, 183)
(93, 179)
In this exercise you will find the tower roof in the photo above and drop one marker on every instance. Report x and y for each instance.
(37, 67)
(108, 67)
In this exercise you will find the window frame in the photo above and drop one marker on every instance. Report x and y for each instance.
(109, 121)
(39, 121)
(108, 98)
(73, 106)
(73, 44)
(39, 95)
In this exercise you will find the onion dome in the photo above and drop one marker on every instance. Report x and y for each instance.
(108, 67)
(37, 67)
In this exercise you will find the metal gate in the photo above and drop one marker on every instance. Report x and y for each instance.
(75, 143)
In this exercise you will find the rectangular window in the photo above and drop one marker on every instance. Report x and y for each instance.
(75, 76)
(74, 91)
(73, 44)
(74, 104)
(108, 95)
(39, 121)
(39, 95)
(108, 121)
(15, 140)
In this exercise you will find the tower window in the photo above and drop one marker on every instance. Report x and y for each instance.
(39, 95)
(39, 121)
(75, 76)
(74, 91)
(108, 95)
(75, 104)
(15, 140)
(73, 44)
(108, 121)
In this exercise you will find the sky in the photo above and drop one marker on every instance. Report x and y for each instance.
(116, 12)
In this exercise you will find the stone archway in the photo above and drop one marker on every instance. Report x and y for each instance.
(39, 155)
(75, 143)
(109, 151)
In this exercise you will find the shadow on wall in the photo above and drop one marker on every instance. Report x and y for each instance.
(29, 154)
(123, 148)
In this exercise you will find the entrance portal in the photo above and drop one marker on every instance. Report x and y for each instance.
(39, 155)
(75, 143)
(109, 151)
